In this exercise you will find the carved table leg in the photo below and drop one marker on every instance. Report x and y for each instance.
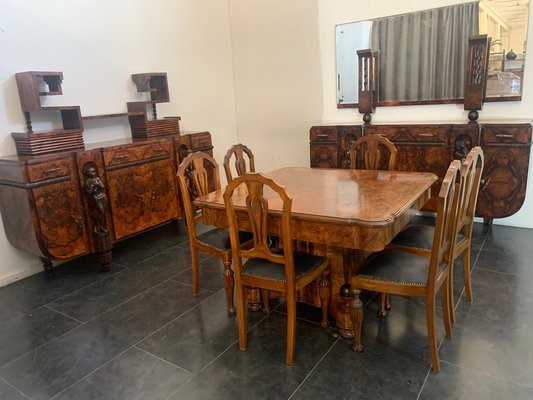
(253, 297)
(488, 221)
(356, 314)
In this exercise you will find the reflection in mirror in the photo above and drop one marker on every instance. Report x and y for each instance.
(422, 55)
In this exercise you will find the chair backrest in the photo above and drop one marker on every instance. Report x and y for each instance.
(372, 148)
(238, 150)
(445, 234)
(471, 172)
(255, 215)
(193, 177)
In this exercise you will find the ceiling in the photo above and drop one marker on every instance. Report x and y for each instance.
(513, 12)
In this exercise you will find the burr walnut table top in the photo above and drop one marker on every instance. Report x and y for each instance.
(358, 209)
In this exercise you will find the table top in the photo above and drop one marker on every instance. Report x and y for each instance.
(350, 197)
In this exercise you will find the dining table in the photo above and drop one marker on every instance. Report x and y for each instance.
(340, 213)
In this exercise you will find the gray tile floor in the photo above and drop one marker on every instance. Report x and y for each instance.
(137, 333)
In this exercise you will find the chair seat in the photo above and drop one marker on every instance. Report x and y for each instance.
(303, 264)
(219, 238)
(395, 266)
(419, 237)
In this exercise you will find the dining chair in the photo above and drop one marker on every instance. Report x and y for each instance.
(282, 270)
(373, 151)
(417, 238)
(404, 273)
(238, 151)
(193, 177)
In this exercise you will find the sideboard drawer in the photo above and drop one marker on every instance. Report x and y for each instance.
(323, 134)
(413, 133)
(507, 134)
(200, 140)
(49, 170)
(122, 155)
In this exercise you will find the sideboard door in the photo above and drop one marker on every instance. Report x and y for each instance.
(503, 185)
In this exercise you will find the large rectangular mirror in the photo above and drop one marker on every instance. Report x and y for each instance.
(422, 55)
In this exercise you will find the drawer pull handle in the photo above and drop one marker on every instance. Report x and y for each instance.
(426, 134)
(51, 170)
(504, 135)
(160, 150)
(484, 184)
(120, 157)
(322, 135)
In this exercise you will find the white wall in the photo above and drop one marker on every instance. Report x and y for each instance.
(278, 81)
(98, 45)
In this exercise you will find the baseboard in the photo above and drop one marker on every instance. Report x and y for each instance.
(15, 276)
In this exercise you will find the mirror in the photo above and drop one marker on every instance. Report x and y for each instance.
(422, 55)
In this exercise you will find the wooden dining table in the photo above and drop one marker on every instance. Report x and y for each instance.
(340, 213)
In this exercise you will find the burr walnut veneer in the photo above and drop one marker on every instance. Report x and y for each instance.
(432, 147)
(68, 204)
(335, 211)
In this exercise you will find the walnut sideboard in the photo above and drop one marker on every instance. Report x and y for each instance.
(431, 148)
(67, 204)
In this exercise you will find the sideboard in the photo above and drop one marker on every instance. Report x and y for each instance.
(66, 204)
(431, 148)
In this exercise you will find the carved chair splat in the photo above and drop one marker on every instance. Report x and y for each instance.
(285, 271)
(238, 151)
(372, 147)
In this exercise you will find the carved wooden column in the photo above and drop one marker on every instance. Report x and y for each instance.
(98, 205)
(476, 74)
(368, 83)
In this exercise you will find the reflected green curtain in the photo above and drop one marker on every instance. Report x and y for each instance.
(422, 55)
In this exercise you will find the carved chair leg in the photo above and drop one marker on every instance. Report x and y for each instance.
(325, 294)
(265, 294)
(432, 340)
(356, 314)
(384, 304)
(229, 284)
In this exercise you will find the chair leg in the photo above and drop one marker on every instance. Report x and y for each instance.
(384, 304)
(432, 340)
(466, 275)
(265, 295)
(446, 307)
(229, 284)
(451, 296)
(195, 271)
(325, 293)
(291, 326)
(356, 314)
(241, 316)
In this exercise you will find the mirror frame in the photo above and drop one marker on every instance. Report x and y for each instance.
(341, 105)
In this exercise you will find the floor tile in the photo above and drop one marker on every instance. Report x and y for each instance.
(134, 375)
(9, 393)
(21, 297)
(457, 383)
(55, 366)
(198, 337)
(25, 333)
(493, 334)
(508, 250)
(210, 272)
(141, 247)
(104, 295)
(260, 372)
